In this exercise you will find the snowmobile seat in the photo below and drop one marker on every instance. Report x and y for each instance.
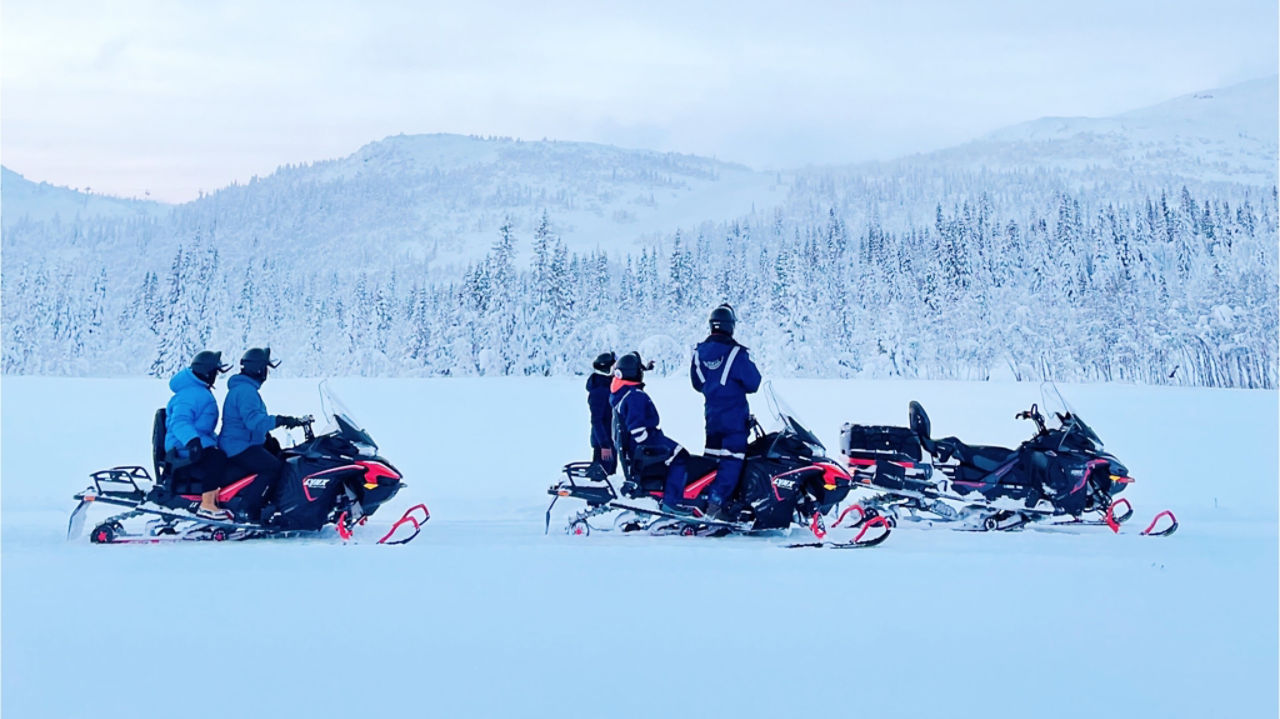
(157, 445)
(649, 476)
(979, 457)
(171, 481)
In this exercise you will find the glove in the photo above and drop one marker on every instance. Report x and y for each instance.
(284, 420)
(194, 449)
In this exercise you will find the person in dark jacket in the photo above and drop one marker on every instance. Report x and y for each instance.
(598, 381)
(245, 424)
(639, 436)
(190, 419)
(723, 372)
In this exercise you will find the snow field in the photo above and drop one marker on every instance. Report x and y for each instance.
(484, 616)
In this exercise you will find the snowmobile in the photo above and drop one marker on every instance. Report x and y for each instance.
(1060, 478)
(787, 481)
(335, 478)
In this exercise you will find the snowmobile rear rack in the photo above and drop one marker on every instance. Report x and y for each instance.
(118, 486)
(598, 492)
(116, 479)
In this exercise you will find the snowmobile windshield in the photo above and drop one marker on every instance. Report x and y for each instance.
(783, 413)
(343, 423)
(1058, 408)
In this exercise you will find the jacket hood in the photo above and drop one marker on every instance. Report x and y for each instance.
(240, 379)
(186, 379)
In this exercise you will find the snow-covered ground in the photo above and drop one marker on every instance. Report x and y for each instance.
(484, 616)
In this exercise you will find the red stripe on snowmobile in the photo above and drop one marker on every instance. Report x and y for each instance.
(344, 467)
(693, 490)
(871, 462)
(1088, 469)
(374, 470)
(831, 473)
(229, 491)
(773, 481)
(1111, 514)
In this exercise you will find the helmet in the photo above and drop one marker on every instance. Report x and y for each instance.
(256, 361)
(723, 319)
(207, 365)
(604, 362)
(629, 367)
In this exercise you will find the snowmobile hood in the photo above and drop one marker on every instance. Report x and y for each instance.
(186, 379)
(618, 383)
(243, 379)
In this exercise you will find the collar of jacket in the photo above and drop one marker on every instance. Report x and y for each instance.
(619, 383)
(242, 378)
(721, 338)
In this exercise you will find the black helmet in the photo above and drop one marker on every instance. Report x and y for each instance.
(256, 361)
(207, 365)
(723, 319)
(629, 367)
(604, 362)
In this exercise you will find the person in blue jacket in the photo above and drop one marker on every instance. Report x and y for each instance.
(640, 437)
(723, 372)
(602, 454)
(245, 424)
(189, 442)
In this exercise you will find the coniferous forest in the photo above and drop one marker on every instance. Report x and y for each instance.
(1163, 286)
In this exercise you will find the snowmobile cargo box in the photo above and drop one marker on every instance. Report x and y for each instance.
(894, 444)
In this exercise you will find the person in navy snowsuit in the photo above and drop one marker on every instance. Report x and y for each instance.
(245, 424)
(191, 416)
(639, 438)
(602, 453)
(723, 372)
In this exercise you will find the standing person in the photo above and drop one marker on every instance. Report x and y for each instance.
(190, 419)
(245, 424)
(602, 453)
(723, 372)
(640, 437)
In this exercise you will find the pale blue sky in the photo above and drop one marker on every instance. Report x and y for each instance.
(172, 97)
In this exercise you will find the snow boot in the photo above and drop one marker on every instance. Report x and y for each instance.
(218, 515)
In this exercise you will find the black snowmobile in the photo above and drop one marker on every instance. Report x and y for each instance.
(1059, 478)
(787, 481)
(334, 478)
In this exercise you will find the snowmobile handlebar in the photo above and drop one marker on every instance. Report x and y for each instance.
(1034, 415)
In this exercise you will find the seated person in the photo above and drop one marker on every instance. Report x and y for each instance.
(639, 436)
(245, 424)
(189, 443)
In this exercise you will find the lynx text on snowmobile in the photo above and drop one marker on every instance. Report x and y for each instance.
(1061, 478)
(332, 478)
(787, 481)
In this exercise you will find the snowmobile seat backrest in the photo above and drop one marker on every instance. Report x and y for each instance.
(158, 430)
(918, 420)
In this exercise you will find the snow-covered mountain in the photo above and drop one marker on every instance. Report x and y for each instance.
(398, 248)
(24, 200)
(1223, 135)
(443, 197)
